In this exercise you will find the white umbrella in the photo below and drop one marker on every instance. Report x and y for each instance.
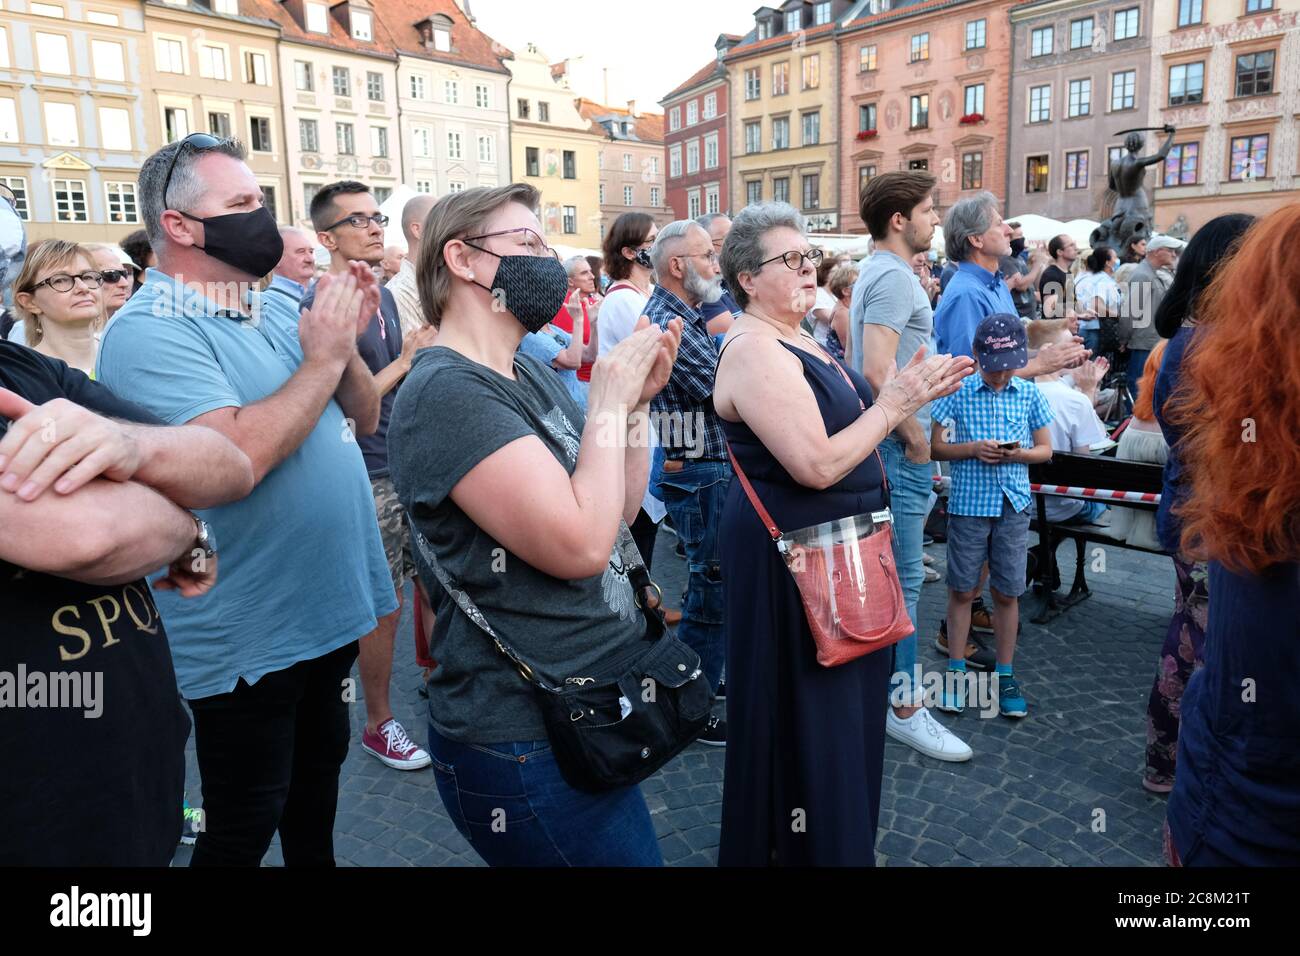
(1038, 229)
(1080, 230)
(392, 208)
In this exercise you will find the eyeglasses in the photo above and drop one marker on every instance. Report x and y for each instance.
(794, 259)
(359, 221)
(62, 282)
(711, 256)
(112, 276)
(534, 244)
(199, 141)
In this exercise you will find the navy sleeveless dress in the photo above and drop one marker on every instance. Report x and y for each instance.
(805, 743)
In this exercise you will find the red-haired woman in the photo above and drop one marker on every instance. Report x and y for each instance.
(1236, 798)
(1142, 441)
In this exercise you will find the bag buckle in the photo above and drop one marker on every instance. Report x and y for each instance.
(637, 600)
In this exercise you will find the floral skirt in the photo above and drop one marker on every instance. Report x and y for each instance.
(1181, 655)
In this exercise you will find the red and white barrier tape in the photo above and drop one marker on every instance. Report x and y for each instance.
(1105, 494)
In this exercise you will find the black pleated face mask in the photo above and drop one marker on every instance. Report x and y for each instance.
(531, 288)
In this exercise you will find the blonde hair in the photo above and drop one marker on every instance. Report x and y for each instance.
(1042, 331)
(841, 278)
(42, 257)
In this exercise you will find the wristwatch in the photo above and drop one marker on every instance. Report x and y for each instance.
(205, 539)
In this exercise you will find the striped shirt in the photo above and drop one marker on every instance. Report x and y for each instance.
(975, 412)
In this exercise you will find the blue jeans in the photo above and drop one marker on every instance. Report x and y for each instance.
(909, 486)
(1091, 340)
(510, 801)
(1137, 360)
(694, 498)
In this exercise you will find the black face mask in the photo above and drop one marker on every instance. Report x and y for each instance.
(531, 288)
(1017, 246)
(247, 241)
(643, 258)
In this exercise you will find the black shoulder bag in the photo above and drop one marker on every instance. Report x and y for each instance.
(626, 718)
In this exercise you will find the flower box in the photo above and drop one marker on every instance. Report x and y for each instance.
(970, 119)
(866, 134)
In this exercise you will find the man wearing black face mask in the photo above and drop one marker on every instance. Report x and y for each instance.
(1021, 277)
(264, 659)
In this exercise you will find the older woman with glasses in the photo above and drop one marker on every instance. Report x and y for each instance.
(116, 273)
(806, 747)
(57, 298)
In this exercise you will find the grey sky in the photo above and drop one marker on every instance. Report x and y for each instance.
(647, 47)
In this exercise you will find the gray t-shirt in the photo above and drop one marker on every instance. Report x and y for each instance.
(888, 293)
(450, 414)
(1024, 299)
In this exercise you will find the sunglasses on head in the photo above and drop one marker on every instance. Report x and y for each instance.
(199, 141)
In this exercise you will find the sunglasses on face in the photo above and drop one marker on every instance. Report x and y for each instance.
(62, 282)
(359, 221)
(794, 259)
(111, 276)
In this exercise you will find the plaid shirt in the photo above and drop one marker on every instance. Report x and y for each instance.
(976, 411)
(689, 392)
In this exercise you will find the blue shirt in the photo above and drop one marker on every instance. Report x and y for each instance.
(285, 285)
(975, 411)
(971, 297)
(545, 346)
(695, 431)
(724, 306)
(302, 569)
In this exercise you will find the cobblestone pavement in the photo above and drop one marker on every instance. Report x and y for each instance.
(1061, 787)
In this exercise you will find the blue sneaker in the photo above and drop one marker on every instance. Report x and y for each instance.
(1011, 702)
(952, 699)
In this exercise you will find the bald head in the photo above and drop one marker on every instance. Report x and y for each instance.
(414, 213)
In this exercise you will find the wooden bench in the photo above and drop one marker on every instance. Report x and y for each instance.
(1070, 476)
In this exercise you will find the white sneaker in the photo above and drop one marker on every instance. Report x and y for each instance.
(926, 735)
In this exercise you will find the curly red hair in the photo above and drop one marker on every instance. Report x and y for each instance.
(1239, 399)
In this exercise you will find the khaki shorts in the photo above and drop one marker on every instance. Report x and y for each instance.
(394, 531)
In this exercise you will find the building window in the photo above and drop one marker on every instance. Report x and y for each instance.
(693, 204)
(1249, 158)
(1080, 33)
(176, 123)
(46, 10)
(361, 26)
(257, 69)
(1258, 6)
(1123, 89)
(451, 92)
(1040, 104)
(442, 41)
(710, 154)
(18, 186)
(543, 112)
(821, 13)
(974, 99)
(675, 162)
(654, 160)
(1076, 170)
(1182, 165)
(70, 201)
(424, 186)
(753, 84)
(780, 79)
(1041, 41)
(344, 140)
(309, 191)
(1186, 83)
(712, 200)
(692, 112)
(1080, 98)
(1036, 174)
(229, 7)
(976, 31)
(972, 170)
(764, 29)
(753, 191)
(374, 86)
(317, 18)
(482, 96)
(812, 71)
(379, 141)
(866, 58)
(812, 191)
(122, 207)
(600, 193)
(920, 47)
(1126, 23)
(1189, 12)
(865, 175)
(711, 106)
(812, 128)
(102, 19)
(170, 55)
(381, 193)
(866, 117)
(570, 219)
(692, 157)
(309, 136)
(781, 189)
(781, 132)
(793, 21)
(920, 115)
(1114, 154)
(115, 129)
(674, 119)
(219, 125)
(259, 134)
(303, 78)
(754, 137)
(105, 57)
(454, 150)
(570, 164)
(1255, 73)
(522, 109)
(52, 54)
(8, 121)
(487, 149)
(417, 86)
(213, 64)
(422, 142)
(342, 81)
(532, 161)
(627, 195)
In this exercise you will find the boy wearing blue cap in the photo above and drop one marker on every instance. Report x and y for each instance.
(991, 429)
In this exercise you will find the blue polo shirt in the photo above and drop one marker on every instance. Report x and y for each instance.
(302, 570)
(973, 294)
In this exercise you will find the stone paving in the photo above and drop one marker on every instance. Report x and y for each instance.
(1061, 787)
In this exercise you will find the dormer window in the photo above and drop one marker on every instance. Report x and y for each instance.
(793, 20)
(764, 29)
(228, 7)
(317, 18)
(361, 29)
(435, 32)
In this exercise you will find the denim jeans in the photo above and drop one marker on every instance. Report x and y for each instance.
(1137, 360)
(1091, 340)
(694, 498)
(510, 801)
(910, 487)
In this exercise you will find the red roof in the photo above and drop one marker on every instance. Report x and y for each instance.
(649, 126)
(784, 39)
(698, 77)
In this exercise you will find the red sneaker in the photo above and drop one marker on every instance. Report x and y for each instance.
(393, 747)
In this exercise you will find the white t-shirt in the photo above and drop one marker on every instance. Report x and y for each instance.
(618, 316)
(1074, 424)
(1096, 285)
(825, 302)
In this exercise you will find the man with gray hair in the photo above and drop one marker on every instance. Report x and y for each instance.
(402, 286)
(696, 472)
(722, 313)
(581, 305)
(297, 266)
(263, 658)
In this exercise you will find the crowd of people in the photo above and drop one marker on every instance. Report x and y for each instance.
(222, 465)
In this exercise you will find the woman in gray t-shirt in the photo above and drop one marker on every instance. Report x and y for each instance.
(519, 499)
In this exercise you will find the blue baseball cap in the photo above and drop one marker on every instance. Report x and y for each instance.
(1000, 343)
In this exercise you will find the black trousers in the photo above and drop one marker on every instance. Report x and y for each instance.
(269, 758)
(644, 531)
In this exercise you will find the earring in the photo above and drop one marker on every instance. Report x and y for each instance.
(471, 277)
